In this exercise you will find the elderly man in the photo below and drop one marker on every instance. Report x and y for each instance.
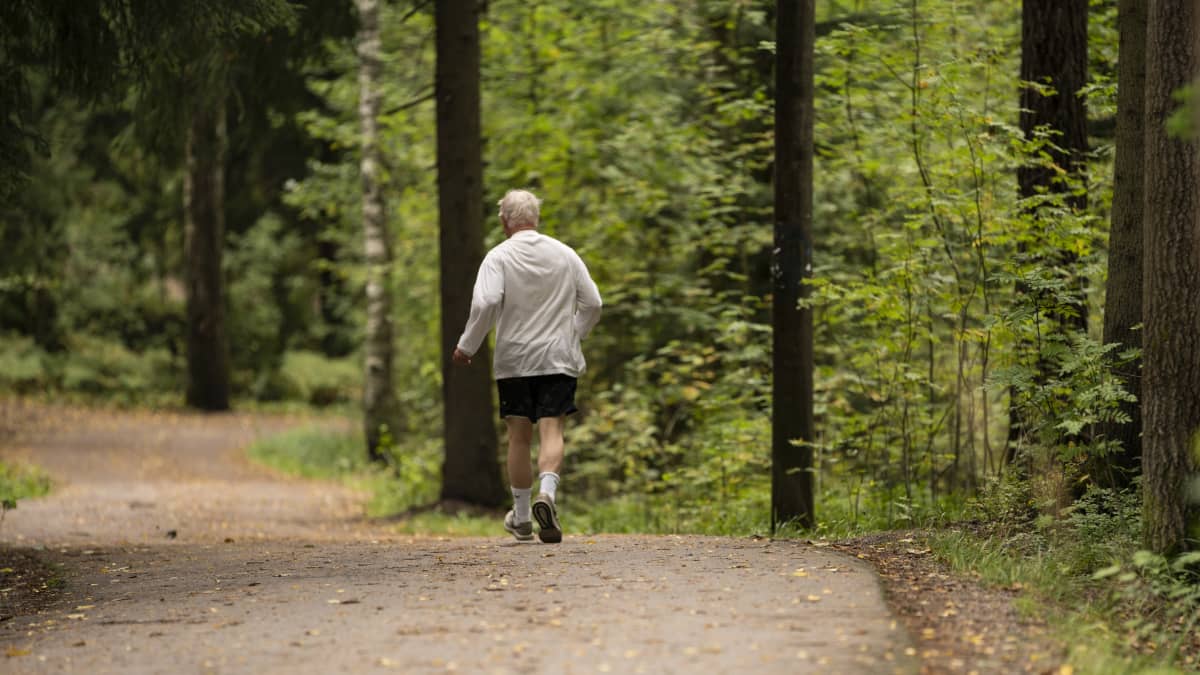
(539, 294)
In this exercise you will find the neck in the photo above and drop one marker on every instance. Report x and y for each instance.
(520, 228)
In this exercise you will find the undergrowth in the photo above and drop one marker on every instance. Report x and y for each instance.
(1124, 609)
(20, 481)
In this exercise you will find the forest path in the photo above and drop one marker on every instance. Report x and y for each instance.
(265, 574)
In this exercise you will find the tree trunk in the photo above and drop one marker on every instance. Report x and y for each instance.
(792, 396)
(1054, 53)
(470, 471)
(1171, 292)
(1123, 294)
(379, 400)
(204, 237)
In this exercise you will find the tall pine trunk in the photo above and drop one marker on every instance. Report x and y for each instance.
(1054, 52)
(792, 362)
(1171, 292)
(379, 401)
(1123, 293)
(470, 470)
(204, 237)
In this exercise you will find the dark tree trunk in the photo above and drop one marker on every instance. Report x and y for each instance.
(470, 472)
(379, 398)
(1054, 54)
(792, 398)
(1171, 292)
(204, 237)
(1123, 293)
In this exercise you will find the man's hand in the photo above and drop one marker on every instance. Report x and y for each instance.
(461, 357)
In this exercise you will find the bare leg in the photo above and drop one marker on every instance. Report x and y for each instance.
(520, 436)
(550, 444)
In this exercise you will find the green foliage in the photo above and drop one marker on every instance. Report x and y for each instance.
(20, 481)
(21, 363)
(1088, 569)
(938, 294)
(408, 480)
(1182, 122)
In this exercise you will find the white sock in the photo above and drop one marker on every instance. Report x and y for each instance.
(549, 484)
(521, 504)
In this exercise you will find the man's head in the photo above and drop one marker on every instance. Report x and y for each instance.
(519, 210)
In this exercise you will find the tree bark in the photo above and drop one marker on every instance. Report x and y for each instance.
(1123, 294)
(470, 470)
(204, 238)
(379, 399)
(1171, 292)
(792, 432)
(1054, 53)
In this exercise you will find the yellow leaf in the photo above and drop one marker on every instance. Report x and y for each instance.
(13, 651)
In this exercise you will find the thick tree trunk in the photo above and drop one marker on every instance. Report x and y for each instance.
(1054, 54)
(792, 397)
(379, 400)
(1171, 292)
(470, 471)
(204, 237)
(1123, 294)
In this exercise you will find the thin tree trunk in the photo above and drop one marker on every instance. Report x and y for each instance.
(1054, 53)
(204, 237)
(1171, 291)
(379, 400)
(792, 397)
(470, 471)
(1123, 293)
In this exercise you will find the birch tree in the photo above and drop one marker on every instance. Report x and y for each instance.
(379, 401)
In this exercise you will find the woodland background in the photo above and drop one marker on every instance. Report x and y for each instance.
(961, 368)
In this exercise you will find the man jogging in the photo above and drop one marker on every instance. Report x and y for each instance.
(538, 293)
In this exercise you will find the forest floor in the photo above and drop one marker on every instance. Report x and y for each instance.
(162, 549)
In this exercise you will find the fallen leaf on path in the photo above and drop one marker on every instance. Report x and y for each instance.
(13, 651)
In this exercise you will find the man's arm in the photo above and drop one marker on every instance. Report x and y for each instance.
(587, 300)
(486, 299)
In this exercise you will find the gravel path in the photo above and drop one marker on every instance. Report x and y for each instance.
(269, 575)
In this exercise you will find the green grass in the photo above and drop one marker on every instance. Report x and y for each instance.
(408, 481)
(1074, 606)
(21, 481)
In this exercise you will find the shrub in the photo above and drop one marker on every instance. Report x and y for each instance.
(21, 365)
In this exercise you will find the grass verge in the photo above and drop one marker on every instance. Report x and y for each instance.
(1093, 615)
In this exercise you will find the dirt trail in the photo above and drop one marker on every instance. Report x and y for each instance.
(269, 575)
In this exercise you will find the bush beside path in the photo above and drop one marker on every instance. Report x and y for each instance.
(171, 553)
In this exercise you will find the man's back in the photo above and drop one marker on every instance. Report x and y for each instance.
(546, 304)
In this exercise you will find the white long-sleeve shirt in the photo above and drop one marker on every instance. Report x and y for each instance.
(538, 293)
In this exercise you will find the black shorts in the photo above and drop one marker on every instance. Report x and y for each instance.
(537, 396)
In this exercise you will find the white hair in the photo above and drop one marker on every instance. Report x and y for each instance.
(520, 207)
